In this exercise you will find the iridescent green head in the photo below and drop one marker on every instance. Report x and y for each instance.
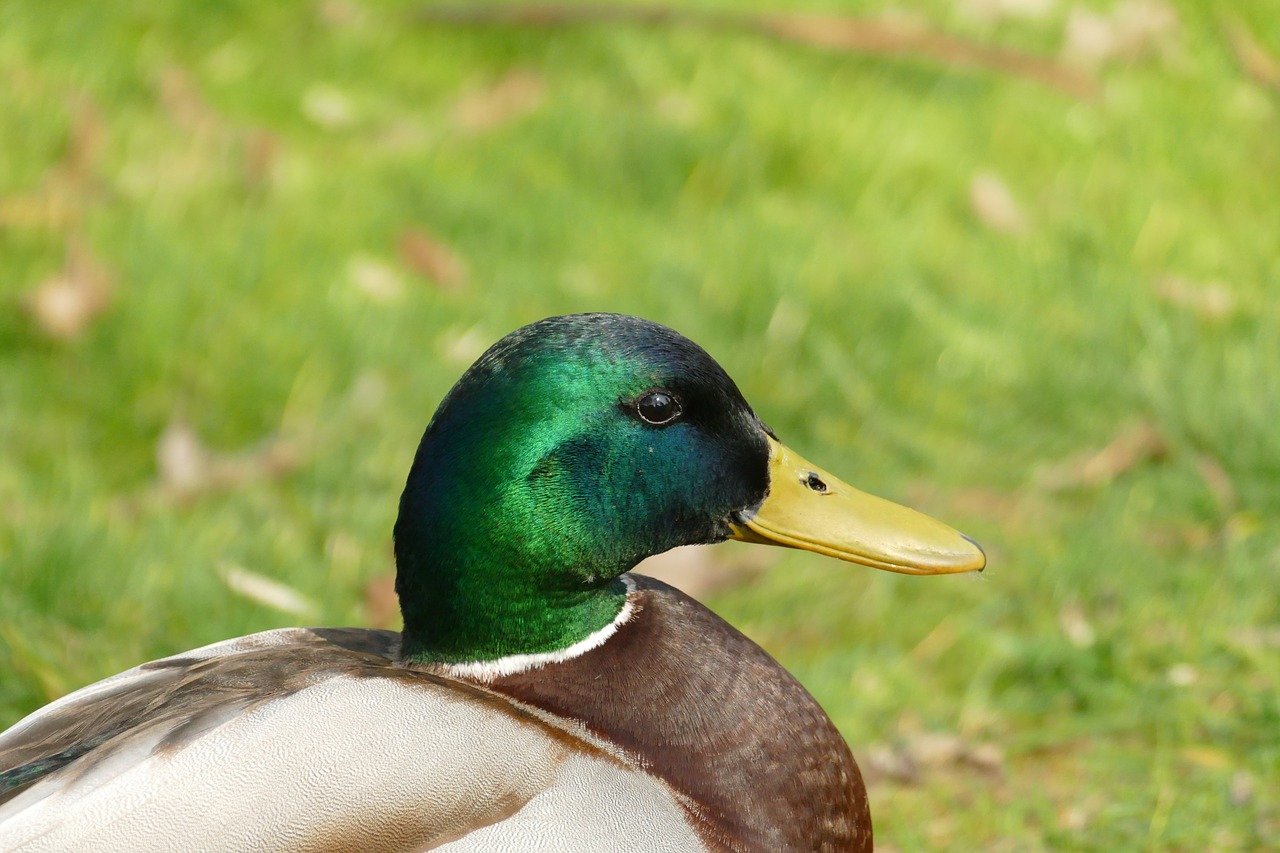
(576, 447)
(573, 449)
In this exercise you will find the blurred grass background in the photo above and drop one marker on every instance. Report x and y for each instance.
(246, 248)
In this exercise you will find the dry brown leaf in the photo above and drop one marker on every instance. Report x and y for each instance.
(328, 107)
(931, 750)
(908, 760)
(180, 96)
(1089, 40)
(896, 37)
(381, 605)
(39, 210)
(1256, 61)
(995, 205)
(1171, 538)
(881, 37)
(1145, 27)
(182, 460)
(342, 13)
(512, 97)
(426, 255)
(405, 133)
(1182, 675)
(1133, 29)
(987, 757)
(68, 187)
(266, 591)
(1076, 626)
(188, 469)
(1225, 703)
(85, 141)
(699, 573)
(1219, 483)
(1256, 638)
(1212, 301)
(368, 393)
(885, 763)
(375, 279)
(261, 151)
(1136, 445)
(64, 305)
(1242, 788)
(1077, 815)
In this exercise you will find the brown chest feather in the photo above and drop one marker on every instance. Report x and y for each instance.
(719, 720)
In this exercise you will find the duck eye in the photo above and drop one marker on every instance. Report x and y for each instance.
(658, 408)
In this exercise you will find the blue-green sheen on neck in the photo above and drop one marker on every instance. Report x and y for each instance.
(533, 489)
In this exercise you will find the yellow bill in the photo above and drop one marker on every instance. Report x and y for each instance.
(807, 508)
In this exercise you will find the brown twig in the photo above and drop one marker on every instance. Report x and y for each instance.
(852, 35)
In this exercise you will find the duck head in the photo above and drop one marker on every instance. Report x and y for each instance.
(577, 446)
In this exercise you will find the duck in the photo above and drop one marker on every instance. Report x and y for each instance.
(541, 695)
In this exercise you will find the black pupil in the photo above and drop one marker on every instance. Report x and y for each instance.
(657, 407)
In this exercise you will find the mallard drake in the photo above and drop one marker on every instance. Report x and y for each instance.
(540, 696)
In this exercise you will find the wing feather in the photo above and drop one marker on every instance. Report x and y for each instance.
(315, 740)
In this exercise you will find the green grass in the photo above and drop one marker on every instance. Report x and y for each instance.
(805, 216)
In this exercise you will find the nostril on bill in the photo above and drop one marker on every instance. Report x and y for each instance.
(814, 482)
